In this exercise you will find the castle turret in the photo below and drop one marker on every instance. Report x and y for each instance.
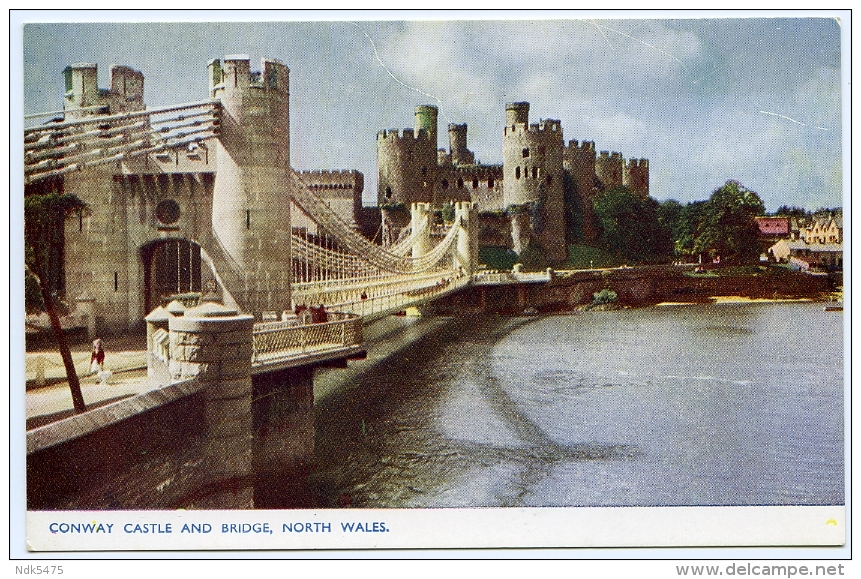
(425, 120)
(608, 169)
(532, 174)
(84, 97)
(516, 114)
(407, 162)
(251, 199)
(127, 86)
(635, 177)
(460, 155)
(82, 88)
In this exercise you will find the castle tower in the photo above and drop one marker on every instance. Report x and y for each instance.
(460, 155)
(251, 199)
(635, 177)
(532, 174)
(608, 169)
(425, 120)
(126, 93)
(82, 88)
(407, 164)
(579, 162)
(99, 255)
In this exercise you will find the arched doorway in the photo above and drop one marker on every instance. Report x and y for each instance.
(171, 266)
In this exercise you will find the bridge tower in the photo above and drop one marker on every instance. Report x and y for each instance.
(250, 200)
(419, 213)
(466, 247)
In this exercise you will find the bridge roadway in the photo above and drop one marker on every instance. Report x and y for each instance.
(277, 345)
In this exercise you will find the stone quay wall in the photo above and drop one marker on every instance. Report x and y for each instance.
(197, 443)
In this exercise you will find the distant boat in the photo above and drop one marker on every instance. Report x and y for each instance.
(834, 308)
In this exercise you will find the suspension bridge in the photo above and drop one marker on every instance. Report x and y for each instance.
(271, 271)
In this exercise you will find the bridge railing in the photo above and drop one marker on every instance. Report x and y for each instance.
(391, 302)
(277, 341)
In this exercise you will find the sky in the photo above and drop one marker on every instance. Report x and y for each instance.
(757, 100)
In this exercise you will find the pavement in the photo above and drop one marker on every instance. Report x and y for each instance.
(48, 391)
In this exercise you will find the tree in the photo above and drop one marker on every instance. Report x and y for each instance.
(729, 228)
(792, 211)
(630, 227)
(44, 218)
(688, 228)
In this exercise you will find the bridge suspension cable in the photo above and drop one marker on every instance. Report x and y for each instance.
(54, 149)
(320, 212)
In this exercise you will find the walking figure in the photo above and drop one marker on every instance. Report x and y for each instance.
(97, 359)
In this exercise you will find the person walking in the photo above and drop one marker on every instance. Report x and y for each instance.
(97, 359)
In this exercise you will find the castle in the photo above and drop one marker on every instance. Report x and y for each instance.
(530, 185)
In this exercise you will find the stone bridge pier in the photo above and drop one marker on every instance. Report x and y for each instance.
(258, 432)
(212, 344)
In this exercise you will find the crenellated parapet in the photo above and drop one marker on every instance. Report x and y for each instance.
(340, 188)
(408, 135)
(84, 97)
(349, 181)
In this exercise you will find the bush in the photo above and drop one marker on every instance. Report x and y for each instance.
(32, 295)
(534, 257)
(605, 296)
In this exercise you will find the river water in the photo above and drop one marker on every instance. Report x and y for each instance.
(736, 404)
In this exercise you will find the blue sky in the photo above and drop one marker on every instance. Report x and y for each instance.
(705, 100)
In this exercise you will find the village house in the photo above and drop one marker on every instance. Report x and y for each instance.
(819, 247)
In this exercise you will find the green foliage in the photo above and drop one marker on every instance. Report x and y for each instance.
(582, 256)
(517, 209)
(534, 257)
(395, 208)
(793, 211)
(32, 295)
(44, 218)
(499, 258)
(630, 227)
(687, 229)
(605, 296)
(447, 213)
(729, 229)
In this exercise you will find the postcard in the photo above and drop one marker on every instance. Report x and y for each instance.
(417, 281)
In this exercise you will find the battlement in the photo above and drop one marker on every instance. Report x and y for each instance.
(587, 146)
(607, 155)
(235, 73)
(395, 135)
(638, 163)
(82, 91)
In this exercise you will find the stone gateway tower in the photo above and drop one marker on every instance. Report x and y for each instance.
(250, 200)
